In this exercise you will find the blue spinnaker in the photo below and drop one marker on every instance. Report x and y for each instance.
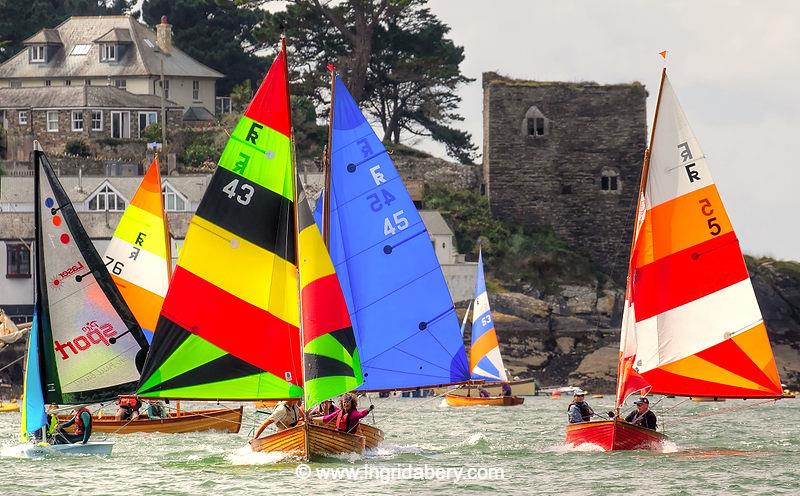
(33, 413)
(399, 303)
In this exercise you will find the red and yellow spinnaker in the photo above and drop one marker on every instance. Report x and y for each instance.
(692, 325)
(138, 257)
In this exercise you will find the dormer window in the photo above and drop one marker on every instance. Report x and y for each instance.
(106, 199)
(38, 53)
(173, 200)
(108, 52)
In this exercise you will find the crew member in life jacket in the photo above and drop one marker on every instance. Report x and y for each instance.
(286, 414)
(348, 416)
(128, 408)
(579, 411)
(324, 408)
(506, 389)
(83, 428)
(643, 416)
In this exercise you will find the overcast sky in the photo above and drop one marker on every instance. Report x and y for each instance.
(734, 65)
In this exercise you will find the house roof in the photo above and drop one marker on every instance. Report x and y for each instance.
(435, 223)
(143, 59)
(198, 114)
(77, 97)
(46, 36)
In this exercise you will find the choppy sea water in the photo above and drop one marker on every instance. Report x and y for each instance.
(431, 448)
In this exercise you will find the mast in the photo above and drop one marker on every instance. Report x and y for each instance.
(326, 191)
(639, 196)
(294, 179)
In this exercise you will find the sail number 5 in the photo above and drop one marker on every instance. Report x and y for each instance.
(400, 223)
(247, 190)
(713, 227)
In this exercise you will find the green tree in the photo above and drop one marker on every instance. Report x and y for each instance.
(21, 19)
(218, 33)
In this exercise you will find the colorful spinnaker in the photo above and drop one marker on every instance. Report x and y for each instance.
(89, 344)
(401, 309)
(691, 323)
(485, 361)
(139, 256)
(230, 324)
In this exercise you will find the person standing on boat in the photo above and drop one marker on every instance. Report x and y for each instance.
(83, 428)
(286, 415)
(642, 416)
(579, 411)
(348, 416)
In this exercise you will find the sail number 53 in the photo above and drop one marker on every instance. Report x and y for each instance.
(247, 191)
(713, 227)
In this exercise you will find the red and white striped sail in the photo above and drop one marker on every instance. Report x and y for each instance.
(692, 325)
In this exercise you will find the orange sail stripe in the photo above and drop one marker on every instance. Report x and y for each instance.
(730, 356)
(688, 275)
(669, 383)
(148, 196)
(681, 223)
(270, 105)
(482, 346)
(241, 329)
(144, 304)
(756, 342)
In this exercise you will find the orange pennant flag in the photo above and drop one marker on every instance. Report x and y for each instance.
(663, 54)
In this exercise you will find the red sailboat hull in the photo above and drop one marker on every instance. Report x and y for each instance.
(614, 435)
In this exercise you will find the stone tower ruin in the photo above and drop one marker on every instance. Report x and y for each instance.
(568, 156)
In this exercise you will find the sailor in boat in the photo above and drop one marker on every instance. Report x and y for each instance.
(83, 428)
(643, 416)
(286, 415)
(483, 392)
(506, 389)
(348, 415)
(128, 408)
(156, 409)
(324, 408)
(579, 411)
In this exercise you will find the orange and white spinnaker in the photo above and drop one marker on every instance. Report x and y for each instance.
(691, 323)
(139, 256)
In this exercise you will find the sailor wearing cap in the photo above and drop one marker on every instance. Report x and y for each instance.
(642, 416)
(578, 410)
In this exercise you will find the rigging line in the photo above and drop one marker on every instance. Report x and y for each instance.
(722, 411)
(466, 373)
(409, 283)
(12, 363)
(416, 405)
(383, 241)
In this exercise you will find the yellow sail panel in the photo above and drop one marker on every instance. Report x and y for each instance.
(138, 256)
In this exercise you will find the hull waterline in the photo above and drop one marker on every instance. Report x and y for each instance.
(614, 435)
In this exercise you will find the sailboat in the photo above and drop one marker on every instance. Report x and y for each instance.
(231, 326)
(399, 303)
(486, 363)
(139, 260)
(691, 324)
(85, 345)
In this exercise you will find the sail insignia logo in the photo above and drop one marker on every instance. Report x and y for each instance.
(93, 334)
(77, 267)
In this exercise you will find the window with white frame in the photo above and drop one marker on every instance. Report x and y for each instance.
(23, 118)
(108, 52)
(121, 84)
(146, 119)
(77, 120)
(106, 199)
(52, 121)
(97, 120)
(195, 90)
(173, 201)
(18, 260)
(38, 53)
(80, 49)
(15, 84)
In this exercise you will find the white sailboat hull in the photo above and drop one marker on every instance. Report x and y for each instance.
(39, 451)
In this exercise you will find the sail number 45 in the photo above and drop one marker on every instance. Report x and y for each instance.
(713, 227)
(247, 190)
(395, 223)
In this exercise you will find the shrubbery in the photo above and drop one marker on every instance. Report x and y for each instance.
(78, 148)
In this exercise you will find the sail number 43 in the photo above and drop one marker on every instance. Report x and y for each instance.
(247, 191)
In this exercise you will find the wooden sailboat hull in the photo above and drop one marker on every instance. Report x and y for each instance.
(222, 420)
(614, 435)
(9, 407)
(522, 387)
(455, 400)
(321, 441)
(372, 435)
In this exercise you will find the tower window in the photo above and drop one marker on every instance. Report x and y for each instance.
(535, 125)
(609, 180)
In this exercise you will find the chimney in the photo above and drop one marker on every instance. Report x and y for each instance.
(164, 36)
